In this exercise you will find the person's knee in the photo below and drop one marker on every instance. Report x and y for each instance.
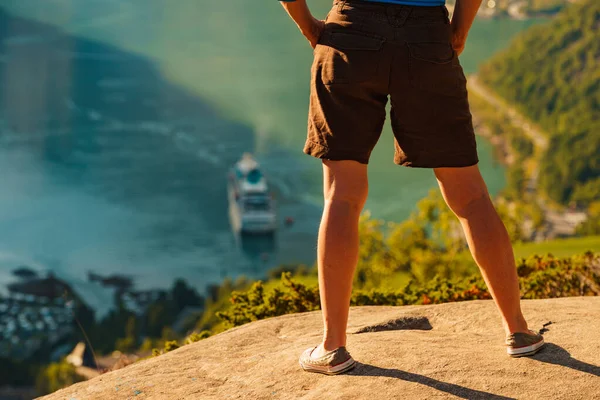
(352, 201)
(464, 204)
(463, 188)
(347, 185)
(352, 196)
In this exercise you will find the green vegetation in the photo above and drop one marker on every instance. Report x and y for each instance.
(540, 277)
(544, 7)
(558, 247)
(255, 303)
(121, 329)
(57, 376)
(499, 125)
(218, 299)
(550, 74)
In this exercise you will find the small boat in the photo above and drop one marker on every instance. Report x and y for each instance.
(251, 206)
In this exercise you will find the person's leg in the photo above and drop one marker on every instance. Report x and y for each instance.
(345, 189)
(348, 94)
(467, 196)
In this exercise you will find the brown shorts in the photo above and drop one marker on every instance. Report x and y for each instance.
(369, 51)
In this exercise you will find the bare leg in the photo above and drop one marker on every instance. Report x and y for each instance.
(345, 191)
(466, 194)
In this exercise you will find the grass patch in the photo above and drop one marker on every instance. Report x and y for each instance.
(559, 247)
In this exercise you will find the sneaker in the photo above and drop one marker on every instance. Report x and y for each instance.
(332, 363)
(521, 344)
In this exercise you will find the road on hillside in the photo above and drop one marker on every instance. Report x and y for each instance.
(557, 223)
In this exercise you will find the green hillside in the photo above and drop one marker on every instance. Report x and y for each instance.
(545, 6)
(551, 74)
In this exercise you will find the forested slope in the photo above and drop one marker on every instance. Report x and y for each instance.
(551, 73)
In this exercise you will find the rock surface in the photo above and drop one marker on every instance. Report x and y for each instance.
(452, 350)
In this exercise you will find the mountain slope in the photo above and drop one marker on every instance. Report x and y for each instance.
(551, 74)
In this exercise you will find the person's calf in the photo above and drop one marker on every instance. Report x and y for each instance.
(489, 243)
(345, 192)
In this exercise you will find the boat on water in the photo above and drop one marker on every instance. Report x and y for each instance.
(251, 205)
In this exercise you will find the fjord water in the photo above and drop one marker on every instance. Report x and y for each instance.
(119, 120)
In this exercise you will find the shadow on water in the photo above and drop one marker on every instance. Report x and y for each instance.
(259, 249)
(453, 389)
(258, 246)
(107, 121)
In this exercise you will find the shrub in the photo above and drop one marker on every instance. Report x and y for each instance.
(196, 337)
(539, 277)
(57, 376)
(255, 304)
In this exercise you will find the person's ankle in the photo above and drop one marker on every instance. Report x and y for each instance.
(330, 344)
(520, 325)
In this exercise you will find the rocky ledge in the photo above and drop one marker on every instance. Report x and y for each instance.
(452, 350)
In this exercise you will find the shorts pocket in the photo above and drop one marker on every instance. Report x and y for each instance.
(434, 67)
(350, 57)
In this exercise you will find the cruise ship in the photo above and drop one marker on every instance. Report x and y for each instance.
(251, 206)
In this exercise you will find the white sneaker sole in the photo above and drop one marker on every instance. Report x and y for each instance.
(328, 370)
(525, 351)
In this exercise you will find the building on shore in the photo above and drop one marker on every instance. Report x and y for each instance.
(35, 313)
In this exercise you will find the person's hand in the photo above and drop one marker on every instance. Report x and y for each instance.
(458, 41)
(458, 45)
(313, 32)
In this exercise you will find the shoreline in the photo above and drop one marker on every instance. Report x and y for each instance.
(503, 153)
(558, 221)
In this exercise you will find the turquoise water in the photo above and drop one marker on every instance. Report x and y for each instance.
(115, 158)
